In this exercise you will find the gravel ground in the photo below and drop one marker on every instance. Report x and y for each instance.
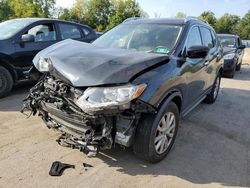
(212, 148)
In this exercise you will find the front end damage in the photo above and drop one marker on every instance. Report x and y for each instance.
(55, 102)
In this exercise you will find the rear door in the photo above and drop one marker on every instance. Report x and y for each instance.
(44, 34)
(210, 40)
(70, 31)
(195, 68)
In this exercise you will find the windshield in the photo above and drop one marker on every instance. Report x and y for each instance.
(11, 27)
(227, 41)
(157, 38)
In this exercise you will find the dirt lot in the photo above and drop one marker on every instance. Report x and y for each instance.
(212, 148)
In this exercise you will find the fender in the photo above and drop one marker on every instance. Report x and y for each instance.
(169, 96)
(5, 61)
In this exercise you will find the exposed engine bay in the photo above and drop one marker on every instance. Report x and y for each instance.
(55, 102)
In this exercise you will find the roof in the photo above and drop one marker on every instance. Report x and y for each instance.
(227, 35)
(156, 20)
(32, 20)
(173, 21)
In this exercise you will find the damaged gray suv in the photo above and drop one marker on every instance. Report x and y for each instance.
(129, 87)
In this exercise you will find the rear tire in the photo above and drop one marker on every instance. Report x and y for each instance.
(156, 133)
(212, 96)
(6, 82)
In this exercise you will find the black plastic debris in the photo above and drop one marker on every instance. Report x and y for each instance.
(57, 168)
(87, 166)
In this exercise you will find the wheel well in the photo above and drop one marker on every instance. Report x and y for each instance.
(10, 69)
(173, 97)
(177, 100)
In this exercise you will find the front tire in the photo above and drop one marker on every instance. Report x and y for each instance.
(238, 66)
(6, 82)
(156, 133)
(232, 73)
(212, 96)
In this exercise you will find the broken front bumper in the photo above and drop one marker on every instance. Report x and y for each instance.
(53, 100)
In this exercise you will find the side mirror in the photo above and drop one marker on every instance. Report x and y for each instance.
(241, 47)
(197, 51)
(27, 38)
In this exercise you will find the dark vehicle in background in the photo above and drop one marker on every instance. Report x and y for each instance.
(233, 51)
(246, 43)
(129, 87)
(22, 39)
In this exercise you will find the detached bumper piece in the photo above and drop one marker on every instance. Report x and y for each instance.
(57, 168)
(53, 100)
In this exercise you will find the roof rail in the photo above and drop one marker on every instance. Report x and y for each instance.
(131, 18)
(188, 18)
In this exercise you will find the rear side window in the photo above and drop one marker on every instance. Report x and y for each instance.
(206, 37)
(86, 31)
(69, 31)
(194, 38)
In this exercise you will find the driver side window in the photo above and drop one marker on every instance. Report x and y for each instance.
(44, 32)
(194, 38)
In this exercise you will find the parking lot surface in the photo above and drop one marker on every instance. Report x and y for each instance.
(212, 148)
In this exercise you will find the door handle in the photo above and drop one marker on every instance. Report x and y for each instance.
(206, 62)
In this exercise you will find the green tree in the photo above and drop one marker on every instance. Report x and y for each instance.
(244, 27)
(78, 12)
(98, 13)
(123, 9)
(5, 10)
(227, 23)
(31, 8)
(63, 13)
(101, 14)
(180, 15)
(209, 17)
(46, 6)
(24, 8)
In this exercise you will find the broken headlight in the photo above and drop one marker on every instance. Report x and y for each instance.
(43, 65)
(101, 97)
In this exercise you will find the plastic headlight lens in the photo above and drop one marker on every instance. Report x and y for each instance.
(43, 65)
(229, 56)
(100, 97)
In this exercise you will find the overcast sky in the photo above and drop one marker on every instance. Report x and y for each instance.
(169, 8)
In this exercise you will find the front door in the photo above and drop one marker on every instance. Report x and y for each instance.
(44, 34)
(194, 68)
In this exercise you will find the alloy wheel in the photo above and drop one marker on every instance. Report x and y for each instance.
(216, 87)
(165, 132)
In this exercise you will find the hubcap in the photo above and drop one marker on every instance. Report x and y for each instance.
(165, 132)
(216, 87)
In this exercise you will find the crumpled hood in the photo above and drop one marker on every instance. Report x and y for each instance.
(84, 64)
